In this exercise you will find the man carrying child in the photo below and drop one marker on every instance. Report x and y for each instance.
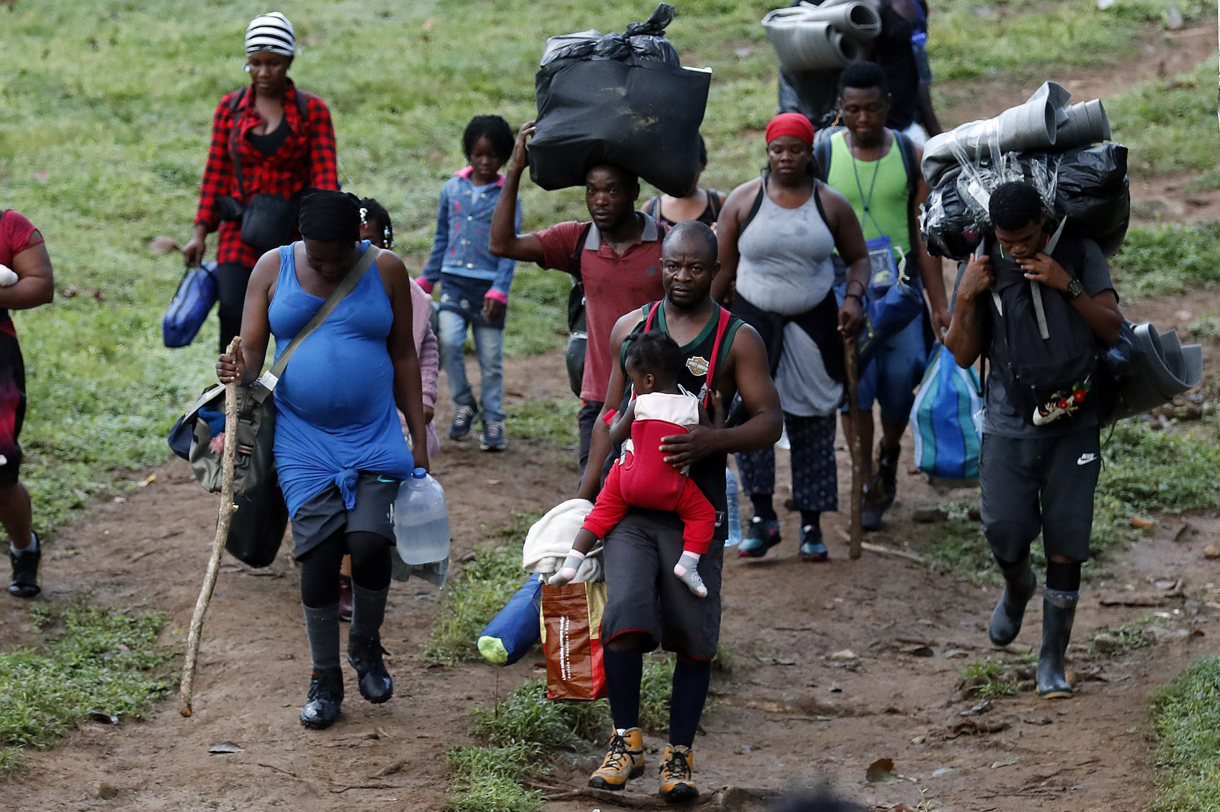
(646, 605)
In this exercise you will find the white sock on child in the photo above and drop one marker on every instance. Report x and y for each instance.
(687, 571)
(568, 571)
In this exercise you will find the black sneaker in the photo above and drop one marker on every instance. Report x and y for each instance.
(761, 535)
(493, 436)
(813, 548)
(463, 419)
(873, 507)
(364, 654)
(325, 697)
(25, 573)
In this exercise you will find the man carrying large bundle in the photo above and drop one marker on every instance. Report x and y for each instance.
(1039, 308)
(612, 109)
(897, 46)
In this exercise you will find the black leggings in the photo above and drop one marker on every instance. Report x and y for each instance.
(231, 282)
(320, 567)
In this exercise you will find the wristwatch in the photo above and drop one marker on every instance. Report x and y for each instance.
(1074, 288)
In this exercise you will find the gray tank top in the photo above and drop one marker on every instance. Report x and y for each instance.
(785, 264)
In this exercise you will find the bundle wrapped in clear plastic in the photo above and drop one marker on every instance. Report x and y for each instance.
(1041, 142)
(622, 99)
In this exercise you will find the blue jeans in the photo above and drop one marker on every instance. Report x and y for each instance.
(489, 348)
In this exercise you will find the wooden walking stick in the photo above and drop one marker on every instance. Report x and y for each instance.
(856, 538)
(224, 517)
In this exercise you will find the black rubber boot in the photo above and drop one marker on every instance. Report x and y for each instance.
(1019, 587)
(364, 654)
(1058, 613)
(325, 698)
(886, 478)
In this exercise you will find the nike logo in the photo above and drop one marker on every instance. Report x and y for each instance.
(1085, 459)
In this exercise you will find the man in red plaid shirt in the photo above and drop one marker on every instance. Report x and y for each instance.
(283, 142)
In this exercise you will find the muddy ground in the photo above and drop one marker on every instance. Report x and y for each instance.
(834, 666)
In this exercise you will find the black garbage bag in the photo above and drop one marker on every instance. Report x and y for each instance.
(949, 228)
(620, 99)
(641, 42)
(1092, 191)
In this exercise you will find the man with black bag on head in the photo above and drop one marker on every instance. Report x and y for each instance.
(1040, 307)
(340, 453)
(616, 257)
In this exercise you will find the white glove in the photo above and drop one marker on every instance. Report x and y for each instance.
(7, 276)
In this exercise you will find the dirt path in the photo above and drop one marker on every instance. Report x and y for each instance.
(794, 708)
(834, 666)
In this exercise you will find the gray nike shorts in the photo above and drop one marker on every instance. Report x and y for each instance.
(325, 513)
(1042, 485)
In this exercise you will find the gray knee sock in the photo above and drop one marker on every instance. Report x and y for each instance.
(322, 628)
(368, 610)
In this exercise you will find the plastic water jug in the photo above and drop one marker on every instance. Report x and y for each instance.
(733, 512)
(421, 520)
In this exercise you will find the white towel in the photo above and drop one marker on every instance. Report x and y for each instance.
(550, 539)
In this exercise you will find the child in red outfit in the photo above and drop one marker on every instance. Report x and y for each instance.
(640, 477)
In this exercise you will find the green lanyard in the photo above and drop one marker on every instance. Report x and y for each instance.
(867, 201)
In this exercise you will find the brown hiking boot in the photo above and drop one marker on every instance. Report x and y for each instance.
(677, 779)
(624, 760)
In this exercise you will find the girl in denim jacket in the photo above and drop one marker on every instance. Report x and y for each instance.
(474, 283)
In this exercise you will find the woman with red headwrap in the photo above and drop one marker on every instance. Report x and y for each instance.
(776, 235)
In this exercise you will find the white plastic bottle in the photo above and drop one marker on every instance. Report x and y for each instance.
(733, 513)
(421, 520)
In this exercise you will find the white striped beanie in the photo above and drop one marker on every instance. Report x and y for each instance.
(271, 32)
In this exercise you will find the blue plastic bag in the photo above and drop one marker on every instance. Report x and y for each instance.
(197, 292)
(515, 629)
(944, 418)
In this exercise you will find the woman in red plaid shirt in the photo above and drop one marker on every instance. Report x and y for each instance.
(283, 142)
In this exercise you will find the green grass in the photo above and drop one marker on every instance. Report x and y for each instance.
(1149, 471)
(1115, 641)
(92, 661)
(1145, 471)
(1187, 722)
(551, 421)
(489, 778)
(1032, 39)
(538, 314)
(1168, 259)
(478, 591)
(956, 545)
(1206, 326)
(524, 728)
(989, 679)
(1169, 125)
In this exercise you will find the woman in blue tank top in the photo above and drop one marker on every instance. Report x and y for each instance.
(339, 448)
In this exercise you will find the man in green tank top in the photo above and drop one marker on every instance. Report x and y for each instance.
(877, 170)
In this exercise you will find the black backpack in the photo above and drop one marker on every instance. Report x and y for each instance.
(1051, 368)
(574, 353)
